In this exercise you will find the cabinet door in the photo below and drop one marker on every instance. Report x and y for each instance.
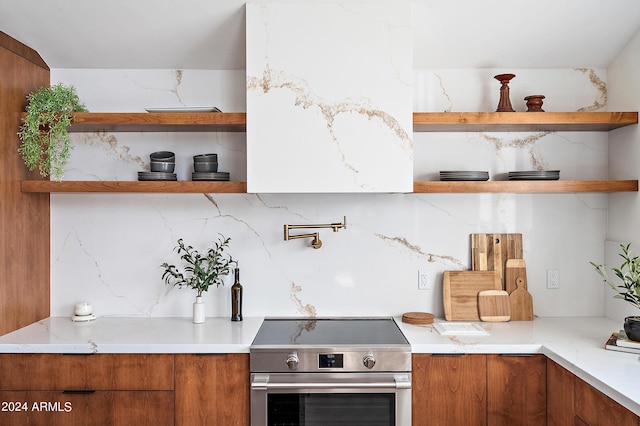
(516, 390)
(212, 389)
(560, 395)
(449, 390)
(597, 409)
(52, 408)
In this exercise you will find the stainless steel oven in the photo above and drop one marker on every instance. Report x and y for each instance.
(330, 372)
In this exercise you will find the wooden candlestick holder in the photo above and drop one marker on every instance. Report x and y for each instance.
(534, 103)
(505, 103)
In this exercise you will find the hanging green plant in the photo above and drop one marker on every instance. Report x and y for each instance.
(46, 144)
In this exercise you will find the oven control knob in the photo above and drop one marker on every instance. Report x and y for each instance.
(369, 361)
(292, 361)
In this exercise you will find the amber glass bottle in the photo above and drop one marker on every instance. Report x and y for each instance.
(236, 298)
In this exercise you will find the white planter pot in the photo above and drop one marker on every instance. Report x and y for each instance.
(198, 311)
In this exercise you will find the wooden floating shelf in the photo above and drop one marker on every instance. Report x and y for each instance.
(159, 122)
(560, 186)
(135, 186)
(520, 186)
(422, 121)
(521, 121)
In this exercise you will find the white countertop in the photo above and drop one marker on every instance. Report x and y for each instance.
(577, 344)
(132, 335)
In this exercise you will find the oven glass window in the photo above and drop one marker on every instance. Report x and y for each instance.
(331, 409)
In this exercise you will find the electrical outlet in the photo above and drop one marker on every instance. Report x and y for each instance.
(553, 278)
(423, 280)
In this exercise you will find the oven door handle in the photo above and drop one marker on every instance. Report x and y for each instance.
(399, 381)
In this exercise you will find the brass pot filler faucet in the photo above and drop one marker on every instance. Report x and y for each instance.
(316, 243)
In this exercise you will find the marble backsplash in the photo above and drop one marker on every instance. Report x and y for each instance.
(107, 248)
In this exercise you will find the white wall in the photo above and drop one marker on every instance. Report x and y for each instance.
(107, 248)
(624, 157)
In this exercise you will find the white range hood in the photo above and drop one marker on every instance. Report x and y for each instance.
(329, 97)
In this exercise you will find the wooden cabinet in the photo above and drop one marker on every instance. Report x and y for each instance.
(113, 389)
(124, 389)
(479, 390)
(593, 408)
(516, 390)
(571, 400)
(194, 389)
(560, 395)
(212, 389)
(24, 247)
(449, 390)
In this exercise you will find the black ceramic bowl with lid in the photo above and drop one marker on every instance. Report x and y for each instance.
(202, 166)
(162, 166)
(205, 158)
(164, 156)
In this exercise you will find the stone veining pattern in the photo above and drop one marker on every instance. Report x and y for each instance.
(330, 107)
(601, 101)
(307, 99)
(527, 142)
(431, 257)
(107, 248)
(303, 309)
(109, 142)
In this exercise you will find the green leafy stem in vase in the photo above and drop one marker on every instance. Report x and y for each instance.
(200, 271)
(628, 273)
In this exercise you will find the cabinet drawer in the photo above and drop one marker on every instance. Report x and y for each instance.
(86, 372)
(52, 408)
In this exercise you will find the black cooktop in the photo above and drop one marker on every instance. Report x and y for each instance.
(329, 331)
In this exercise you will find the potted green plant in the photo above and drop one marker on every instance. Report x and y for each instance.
(200, 272)
(629, 288)
(46, 144)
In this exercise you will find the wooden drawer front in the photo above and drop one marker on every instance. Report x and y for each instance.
(597, 409)
(50, 408)
(86, 372)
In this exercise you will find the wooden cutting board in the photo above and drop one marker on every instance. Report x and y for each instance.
(494, 305)
(515, 268)
(521, 303)
(489, 252)
(460, 292)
